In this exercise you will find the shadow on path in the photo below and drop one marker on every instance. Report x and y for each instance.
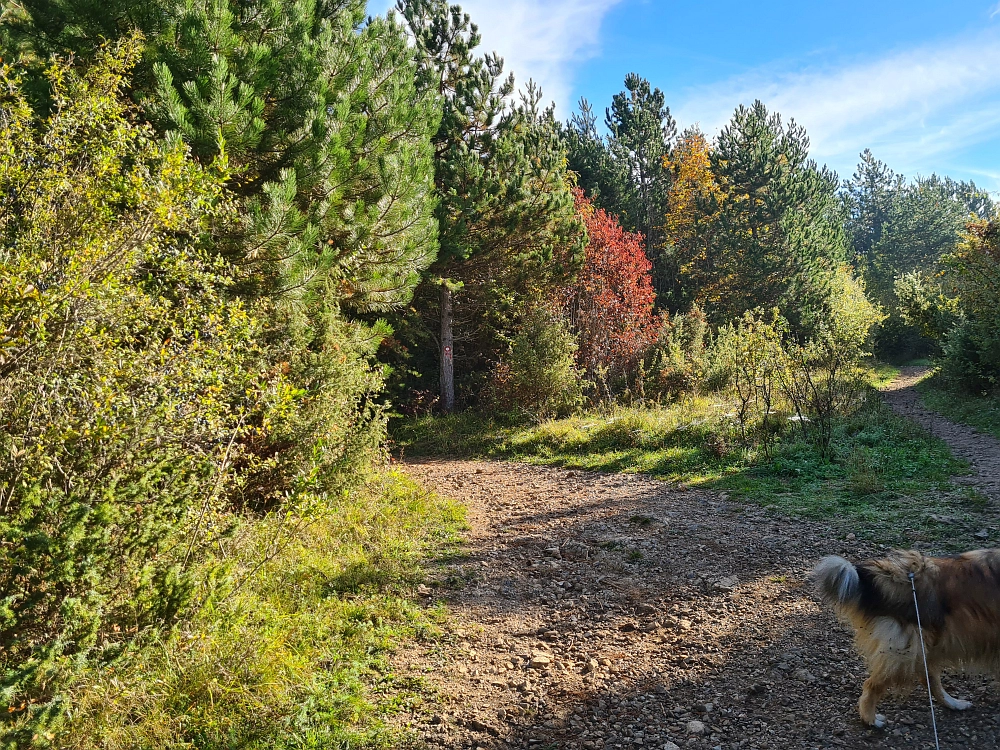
(601, 612)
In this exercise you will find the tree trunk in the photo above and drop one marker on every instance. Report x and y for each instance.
(447, 352)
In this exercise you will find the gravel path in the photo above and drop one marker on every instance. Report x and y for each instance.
(982, 451)
(600, 612)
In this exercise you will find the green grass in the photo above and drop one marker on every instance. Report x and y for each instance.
(298, 658)
(883, 374)
(980, 411)
(888, 479)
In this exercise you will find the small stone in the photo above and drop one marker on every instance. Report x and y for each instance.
(477, 726)
(726, 583)
(982, 534)
(695, 727)
(539, 662)
(436, 719)
(671, 746)
(804, 675)
(646, 609)
(627, 627)
(590, 666)
(684, 624)
(423, 590)
(605, 662)
(851, 537)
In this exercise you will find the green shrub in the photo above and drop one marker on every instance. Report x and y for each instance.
(538, 377)
(138, 403)
(924, 305)
(291, 653)
(752, 362)
(678, 363)
(972, 347)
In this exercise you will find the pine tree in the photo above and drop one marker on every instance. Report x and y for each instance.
(868, 198)
(779, 232)
(898, 229)
(314, 110)
(505, 213)
(604, 180)
(641, 132)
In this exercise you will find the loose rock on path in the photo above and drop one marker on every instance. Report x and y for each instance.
(600, 612)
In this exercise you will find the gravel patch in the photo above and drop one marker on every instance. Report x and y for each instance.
(608, 611)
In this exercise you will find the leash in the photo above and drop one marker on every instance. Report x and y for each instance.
(923, 652)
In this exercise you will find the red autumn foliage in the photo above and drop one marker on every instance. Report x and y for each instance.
(610, 304)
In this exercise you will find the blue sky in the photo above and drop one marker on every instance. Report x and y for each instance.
(918, 82)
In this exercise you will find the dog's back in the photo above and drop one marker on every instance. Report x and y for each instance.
(959, 600)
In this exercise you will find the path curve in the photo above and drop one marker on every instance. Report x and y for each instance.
(608, 611)
(981, 450)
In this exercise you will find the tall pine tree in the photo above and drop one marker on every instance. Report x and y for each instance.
(625, 173)
(315, 110)
(778, 232)
(505, 213)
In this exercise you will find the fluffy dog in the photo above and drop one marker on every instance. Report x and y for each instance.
(959, 601)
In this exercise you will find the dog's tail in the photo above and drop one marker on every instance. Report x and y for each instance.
(837, 581)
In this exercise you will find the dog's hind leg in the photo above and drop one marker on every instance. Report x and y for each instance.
(937, 689)
(874, 690)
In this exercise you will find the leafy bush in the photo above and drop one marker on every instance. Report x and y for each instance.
(679, 362)
(139, 403)
(126, 377)
(610, 303)
(539, 377)
(750, 353)
(824, 378)
(294, 653)
(771, 374)
(924, 305)
(972, 347)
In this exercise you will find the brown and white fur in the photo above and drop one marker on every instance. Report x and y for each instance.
(959, 600)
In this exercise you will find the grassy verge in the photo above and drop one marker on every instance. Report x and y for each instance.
(883, 374)
(889, 480)
(297, 658)
(980, 411)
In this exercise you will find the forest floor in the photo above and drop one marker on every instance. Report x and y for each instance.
(602, 611)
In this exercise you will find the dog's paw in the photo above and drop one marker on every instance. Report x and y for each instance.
(879, 722)
(956, 704)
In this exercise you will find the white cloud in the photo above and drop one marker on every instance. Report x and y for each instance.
(540, 39)
(930, 101)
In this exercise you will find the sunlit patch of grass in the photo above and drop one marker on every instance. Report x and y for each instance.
(883, 373)
(981, 411)
(296, 658)
(886, 479)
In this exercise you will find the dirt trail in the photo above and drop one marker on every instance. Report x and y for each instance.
(978, 448)
(601, 612)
